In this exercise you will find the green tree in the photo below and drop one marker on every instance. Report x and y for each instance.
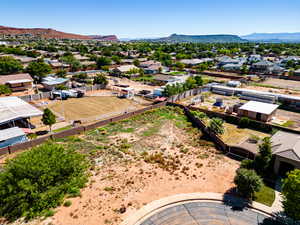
(136, 62)
(48, 118)
(216, 125)
(180, 65)
(103, 61)
(61, 73)
(244, 122)
(116, 59)
(190, 83)
(9, 65)
(247, 182)
(263, 160)
(38, 69)
(68, 58)
(38, 179)
(100, 79)
(244, 69)
(199, 80)
(4, 89)
(291, 193)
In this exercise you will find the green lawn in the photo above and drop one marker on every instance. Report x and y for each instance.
(265, 196)
(62, 129)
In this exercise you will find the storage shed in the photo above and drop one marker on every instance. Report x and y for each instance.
(258, 110)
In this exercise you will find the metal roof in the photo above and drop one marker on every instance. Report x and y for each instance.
(11, 133)
(259, 107)
(12, 108)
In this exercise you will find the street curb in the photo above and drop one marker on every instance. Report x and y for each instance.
(158, 205)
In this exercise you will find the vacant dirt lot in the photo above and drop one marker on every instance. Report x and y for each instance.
(92, 107)
(136, 161)
(286, 84)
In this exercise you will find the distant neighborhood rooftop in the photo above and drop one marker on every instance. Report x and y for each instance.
(259, 107)
(16, 78)
(12, 108)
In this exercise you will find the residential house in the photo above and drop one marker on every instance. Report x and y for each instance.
(222, 61)
(11, 136)
(297, 72)
(286, 149)
(80, 57)
(277, 70)
(254, 58)
(232, 67)
(151, 66)
(124, 69)
(14, 109)
(17, 82)
(291, 58)
(262, 67)
(50, 83)
(56, 65)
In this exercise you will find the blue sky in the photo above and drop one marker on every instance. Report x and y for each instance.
(155, 18)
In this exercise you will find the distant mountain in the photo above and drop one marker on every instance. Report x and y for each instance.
(104, 38)
(218, 38)
(51, 33)
(273, 37)
(41, 32)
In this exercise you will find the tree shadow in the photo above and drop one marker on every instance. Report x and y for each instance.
(234, 201)
(279, 219)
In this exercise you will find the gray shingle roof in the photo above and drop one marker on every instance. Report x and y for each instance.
(286, 145)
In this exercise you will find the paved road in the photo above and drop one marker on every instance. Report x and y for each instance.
(205, 213)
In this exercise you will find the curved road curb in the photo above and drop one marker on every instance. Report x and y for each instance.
(157, 205)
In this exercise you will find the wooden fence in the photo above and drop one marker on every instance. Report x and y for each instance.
(74, 131)
(235, 151)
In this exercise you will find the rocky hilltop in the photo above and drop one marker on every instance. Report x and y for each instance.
(51, 33)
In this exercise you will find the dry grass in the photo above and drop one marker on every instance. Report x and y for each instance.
(89, 107)
(235, 136)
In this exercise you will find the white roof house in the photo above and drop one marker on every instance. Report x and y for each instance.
(126, 68)
(12, 108)
(259, 107)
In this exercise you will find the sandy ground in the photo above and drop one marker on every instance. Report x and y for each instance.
(287, 84)
(164, 157)
(137, 86)
(117, 190)
(274, 90)
(92, 107)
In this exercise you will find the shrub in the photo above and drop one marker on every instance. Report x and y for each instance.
(37, 180)
(199, 115)
(247, 164)
(67, 203)
(4, 89)
(100, 79)
(216, 125)
(244, 122)
(291, 193)
(247, 182)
